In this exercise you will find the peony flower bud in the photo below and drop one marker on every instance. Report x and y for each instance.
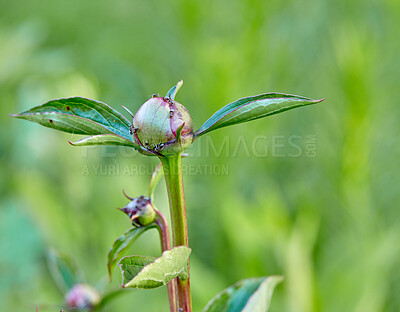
(140, 211)
(162, 126)
(82, 296)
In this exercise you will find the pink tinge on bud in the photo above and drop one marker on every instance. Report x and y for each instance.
(140, 211)
(82, 296)
(156, 124)
(131, 212)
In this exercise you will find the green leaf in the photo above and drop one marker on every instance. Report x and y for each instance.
(105, 139)
(249, 295)
(64, 270)
(261, 298)
(80, 116)
(121, 244)
(155, 178)
(174, 90)
(132, 265)
(251, 108)
(148, 272)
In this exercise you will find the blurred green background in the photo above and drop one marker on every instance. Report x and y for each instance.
(311, 194)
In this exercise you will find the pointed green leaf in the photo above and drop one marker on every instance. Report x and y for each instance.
(80, 116)
(174, 90)
(147, 272)
(105, 139)
(261, 298)
(64, 270)
(132, 265)
(251, 108)
(249, 295)
(128, 111)
(179, 132)
(155, 178)
(121, 244)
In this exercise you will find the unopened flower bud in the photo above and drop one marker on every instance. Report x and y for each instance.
(162, 126)
(140, 211)
(82, 296)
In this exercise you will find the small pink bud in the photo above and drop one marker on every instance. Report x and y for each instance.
(162, 126)
(140, 211)
(82, 296)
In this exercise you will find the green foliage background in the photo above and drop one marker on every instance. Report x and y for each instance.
(329, 222)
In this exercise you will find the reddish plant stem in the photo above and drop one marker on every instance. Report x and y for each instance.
(162, 226)
(173, 178)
